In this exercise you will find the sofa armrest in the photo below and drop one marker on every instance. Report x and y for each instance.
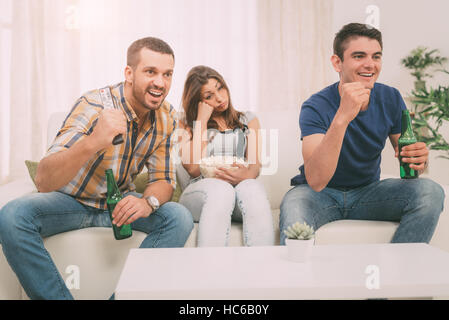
(15, 189)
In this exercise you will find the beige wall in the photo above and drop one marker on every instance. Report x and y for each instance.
(405, 24)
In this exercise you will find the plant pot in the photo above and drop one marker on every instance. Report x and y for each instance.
(298, 250)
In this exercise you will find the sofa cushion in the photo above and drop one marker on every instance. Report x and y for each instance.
(355, 231)
(32, 168)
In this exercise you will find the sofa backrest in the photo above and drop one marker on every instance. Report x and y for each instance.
(285, 148)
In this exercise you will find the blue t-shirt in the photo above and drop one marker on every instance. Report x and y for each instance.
(360, 155)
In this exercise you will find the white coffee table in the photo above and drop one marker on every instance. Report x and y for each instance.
(332, 272)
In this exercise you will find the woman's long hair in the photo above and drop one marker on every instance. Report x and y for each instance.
(196, 79)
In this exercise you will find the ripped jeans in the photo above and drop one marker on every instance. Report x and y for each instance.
(214, 203)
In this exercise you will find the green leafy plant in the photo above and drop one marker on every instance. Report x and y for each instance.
(431, 111)
(420, 59)
(300, 231)
(430, 106)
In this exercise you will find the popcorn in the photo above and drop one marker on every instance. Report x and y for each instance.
(209, 164)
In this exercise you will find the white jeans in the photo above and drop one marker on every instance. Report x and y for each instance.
(214, 202)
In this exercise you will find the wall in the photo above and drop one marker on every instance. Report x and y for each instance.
(405, 24)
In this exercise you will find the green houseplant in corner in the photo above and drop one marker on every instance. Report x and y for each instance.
(431, 113)
(300, 238)
(430, 106)
(418, 61)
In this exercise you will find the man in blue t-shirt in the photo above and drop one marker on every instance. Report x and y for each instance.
(344, 128)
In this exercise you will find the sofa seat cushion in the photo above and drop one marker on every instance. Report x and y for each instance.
(355, 231)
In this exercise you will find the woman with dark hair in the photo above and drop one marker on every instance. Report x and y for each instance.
(216, 130)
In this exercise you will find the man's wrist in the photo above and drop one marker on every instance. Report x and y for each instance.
(91, 145)
(153, 202)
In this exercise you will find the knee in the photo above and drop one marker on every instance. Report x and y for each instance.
(178, 216)
(217, 187)
(214, 190)
(11, 217)
(249, 187)
(291, 202)
(10, 213)
(431, 194)
(296, 206)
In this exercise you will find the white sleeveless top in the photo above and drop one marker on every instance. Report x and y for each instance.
(231, 142)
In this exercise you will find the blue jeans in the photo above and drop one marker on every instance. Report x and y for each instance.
(25, 221)
(214, 203)
(416, 204)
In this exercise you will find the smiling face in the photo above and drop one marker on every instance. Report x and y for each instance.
(215, 94)
(362, 61)
(150, 81)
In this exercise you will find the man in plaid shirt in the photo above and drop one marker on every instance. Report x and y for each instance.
(71, 177)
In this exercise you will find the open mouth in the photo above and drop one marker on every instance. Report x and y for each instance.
(366, 74)
(155, 93)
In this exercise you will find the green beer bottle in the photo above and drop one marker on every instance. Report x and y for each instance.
(113, 197)
(407, 137)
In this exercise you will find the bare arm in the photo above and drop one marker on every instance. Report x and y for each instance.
(321, 151)
(162, 190)
(193, 146)
(252, 150)
(58, 169)
(394, 143)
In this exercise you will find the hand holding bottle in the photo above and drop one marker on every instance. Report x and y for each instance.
(114, 198)
(129, 209)
(416, 155)
(413, 155)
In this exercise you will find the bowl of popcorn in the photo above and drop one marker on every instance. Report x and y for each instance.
(208, 165)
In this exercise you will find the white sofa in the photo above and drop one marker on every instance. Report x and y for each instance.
(94, 256)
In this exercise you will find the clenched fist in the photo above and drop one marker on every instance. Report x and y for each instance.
(354, 98)
(109, 124)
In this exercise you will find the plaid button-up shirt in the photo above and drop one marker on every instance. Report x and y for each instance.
(152, 147)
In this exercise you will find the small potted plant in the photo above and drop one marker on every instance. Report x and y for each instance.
(300, 237)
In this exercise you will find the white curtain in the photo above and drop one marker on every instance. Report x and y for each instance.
(295, 43)
(272, 53)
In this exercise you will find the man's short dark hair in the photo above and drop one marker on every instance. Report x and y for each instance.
(151, 43)
(351, 31)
